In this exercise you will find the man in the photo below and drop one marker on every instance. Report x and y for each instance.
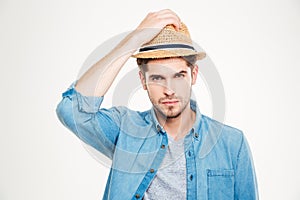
(171, 151)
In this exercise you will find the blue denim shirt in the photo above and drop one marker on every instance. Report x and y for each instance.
(218, 159)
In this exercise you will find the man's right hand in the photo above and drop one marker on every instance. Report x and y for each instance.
(154, 22)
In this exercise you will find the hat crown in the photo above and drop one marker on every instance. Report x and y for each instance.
(169, 35)
(170, 42)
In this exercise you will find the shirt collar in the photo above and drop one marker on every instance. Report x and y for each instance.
(195, 108)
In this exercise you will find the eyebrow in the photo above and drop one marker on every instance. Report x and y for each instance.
(161, 76)
(182, 72)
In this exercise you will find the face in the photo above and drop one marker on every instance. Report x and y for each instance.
(169, 83)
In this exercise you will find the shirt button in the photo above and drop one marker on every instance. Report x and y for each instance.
(158, 128)
(193, 130)
(191, 177)
(151, 170)
(163, 146)
(137, 196)
(189, 154)
(196, 135)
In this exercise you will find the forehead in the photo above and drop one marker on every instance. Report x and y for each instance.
(167, 65)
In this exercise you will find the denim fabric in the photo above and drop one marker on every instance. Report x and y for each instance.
(218, 159)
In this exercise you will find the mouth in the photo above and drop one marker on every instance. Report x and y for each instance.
(169, 102)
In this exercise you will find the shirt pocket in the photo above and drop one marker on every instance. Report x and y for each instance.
(220, 184)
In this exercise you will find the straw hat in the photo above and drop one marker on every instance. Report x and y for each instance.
(170, 43)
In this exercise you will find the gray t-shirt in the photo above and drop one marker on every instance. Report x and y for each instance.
(170, 179)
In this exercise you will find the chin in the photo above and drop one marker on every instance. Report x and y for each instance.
(172, 115)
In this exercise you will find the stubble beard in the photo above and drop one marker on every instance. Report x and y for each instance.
(169, 113)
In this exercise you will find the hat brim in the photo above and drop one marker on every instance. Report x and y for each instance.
(169, 54)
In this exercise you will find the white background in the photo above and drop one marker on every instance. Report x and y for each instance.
(254, 45)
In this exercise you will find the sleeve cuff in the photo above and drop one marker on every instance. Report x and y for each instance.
(87, 104)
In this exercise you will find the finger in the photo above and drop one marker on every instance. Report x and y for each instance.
(168, 17)
(169, 20)
(160, 19)
(168, 12)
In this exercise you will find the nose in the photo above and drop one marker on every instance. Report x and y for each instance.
(168, 91)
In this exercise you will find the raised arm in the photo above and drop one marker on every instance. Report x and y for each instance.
(79, 109)
(97, 80)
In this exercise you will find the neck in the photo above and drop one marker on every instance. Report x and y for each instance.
(178, 127)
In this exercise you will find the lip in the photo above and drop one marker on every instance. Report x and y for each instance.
(170, 102)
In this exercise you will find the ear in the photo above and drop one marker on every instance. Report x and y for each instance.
(143, 80)
(194, 74)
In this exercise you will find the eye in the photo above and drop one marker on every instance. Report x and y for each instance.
(156, 78)
(179, 75)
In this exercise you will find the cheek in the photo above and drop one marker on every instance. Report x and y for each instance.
(154, 88)
(155, 84)
(182, 85)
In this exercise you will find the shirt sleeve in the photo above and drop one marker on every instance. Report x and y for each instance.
(96, 127)
(245, 177)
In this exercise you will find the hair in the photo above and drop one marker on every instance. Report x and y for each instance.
(142, 62)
